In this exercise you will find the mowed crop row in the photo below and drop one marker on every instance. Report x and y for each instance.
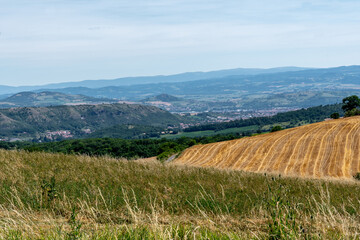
(325, 149)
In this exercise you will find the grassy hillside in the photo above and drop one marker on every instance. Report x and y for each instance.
(325, 149)
(54, 196)
(42, 99)
(32, 122)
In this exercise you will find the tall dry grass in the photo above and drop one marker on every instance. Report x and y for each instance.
(105, 198)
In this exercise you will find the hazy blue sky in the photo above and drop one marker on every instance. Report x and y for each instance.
(47, 41)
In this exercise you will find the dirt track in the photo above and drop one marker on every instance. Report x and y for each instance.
(326, 149)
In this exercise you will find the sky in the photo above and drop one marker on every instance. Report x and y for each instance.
(50, 41)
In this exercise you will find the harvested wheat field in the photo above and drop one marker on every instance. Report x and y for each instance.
(325, 149)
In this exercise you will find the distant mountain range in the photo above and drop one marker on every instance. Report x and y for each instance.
(127, 81)
(42, 99)
(227, 90)
(246, 91)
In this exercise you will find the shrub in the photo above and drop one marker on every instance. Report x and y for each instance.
(164, 155)
(49, 191)
(353, 112)
(335, 115)
(276, 128)
(357, 176)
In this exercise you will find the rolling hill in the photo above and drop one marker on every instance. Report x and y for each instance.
(163, 98)
(80, 119)
(43, 99)
(325, 149)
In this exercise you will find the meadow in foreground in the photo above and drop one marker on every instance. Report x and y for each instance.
(56, 196)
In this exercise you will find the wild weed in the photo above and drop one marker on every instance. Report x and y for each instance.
(357, 176)
(49, 191)
(283, 214)
(75, 227)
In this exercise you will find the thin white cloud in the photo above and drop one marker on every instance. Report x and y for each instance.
(48, 35)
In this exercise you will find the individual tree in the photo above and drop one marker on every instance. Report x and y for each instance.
(350, 103)
(335, 115)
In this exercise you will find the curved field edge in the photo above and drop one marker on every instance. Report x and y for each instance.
(60, 196)
(329, 149)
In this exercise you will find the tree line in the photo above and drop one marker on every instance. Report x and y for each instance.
(120, 148)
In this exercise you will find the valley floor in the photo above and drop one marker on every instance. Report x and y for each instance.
(56, 196)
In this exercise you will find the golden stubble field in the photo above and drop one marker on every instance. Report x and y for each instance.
(326, 149)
